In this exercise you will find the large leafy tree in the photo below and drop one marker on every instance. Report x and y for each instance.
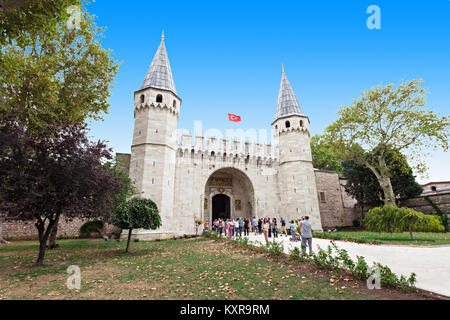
(389, 119)
(363, 185)
(44, 175)
(50, 72)
(323, 155)
(53, 73)
(21, 18)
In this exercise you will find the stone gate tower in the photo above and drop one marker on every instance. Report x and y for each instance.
(296, 178)
(153, 151)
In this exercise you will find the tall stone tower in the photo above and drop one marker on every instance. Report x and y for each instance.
(296, 179)
(153, 151)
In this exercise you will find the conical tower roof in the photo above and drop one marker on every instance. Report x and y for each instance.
(159, 74)
(287, 101)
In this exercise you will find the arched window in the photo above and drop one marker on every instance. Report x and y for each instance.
(159, 98)
(301, 123)
(288, 124)
(142, 98)
(174, 103)
(276, 127)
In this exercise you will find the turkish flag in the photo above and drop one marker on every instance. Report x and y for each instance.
(234, 118)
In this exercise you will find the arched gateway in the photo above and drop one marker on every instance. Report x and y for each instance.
(229, 193)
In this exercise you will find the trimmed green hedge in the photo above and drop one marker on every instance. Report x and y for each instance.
(394, 220)
(90, 227)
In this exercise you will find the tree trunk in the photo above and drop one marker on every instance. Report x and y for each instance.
(386, 185)
(129, 238)
(52, 240)
(411, 234)
(43, 237)
(41, 255)
(384, 180)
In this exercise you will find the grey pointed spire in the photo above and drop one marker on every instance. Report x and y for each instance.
(287, 101)
(159, 74)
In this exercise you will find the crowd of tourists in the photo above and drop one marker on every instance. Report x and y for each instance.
(269, 227)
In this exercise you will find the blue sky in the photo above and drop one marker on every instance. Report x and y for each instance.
(226, 57)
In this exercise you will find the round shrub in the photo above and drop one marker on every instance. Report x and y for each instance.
(134, 214)
(90, 227)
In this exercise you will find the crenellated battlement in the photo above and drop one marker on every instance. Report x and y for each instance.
(139, 107)
(225, 149)
(294, 129)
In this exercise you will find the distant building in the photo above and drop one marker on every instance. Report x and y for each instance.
(436, 187)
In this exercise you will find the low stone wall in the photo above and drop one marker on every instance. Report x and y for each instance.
(26, 230)
(441, 200)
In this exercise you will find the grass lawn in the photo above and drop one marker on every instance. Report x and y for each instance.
(196, 268)
(420, 238)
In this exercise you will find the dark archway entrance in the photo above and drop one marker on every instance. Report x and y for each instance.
(221, 207)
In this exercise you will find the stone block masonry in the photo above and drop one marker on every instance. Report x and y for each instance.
(67, 228)
(441, 200)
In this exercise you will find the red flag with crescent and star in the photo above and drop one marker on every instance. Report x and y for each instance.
(234, 118)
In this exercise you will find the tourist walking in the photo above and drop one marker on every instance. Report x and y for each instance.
(260, 225)
(255, 225)
(246, 227)
(241, 226)
(305, 230)
(266, 228)
(283, 226)
(270, 227)
(220, 227)
(275, 228)
(293, 231)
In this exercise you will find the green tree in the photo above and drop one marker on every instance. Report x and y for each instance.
(46, 174)
(136, 213)
(384, 120)
(51, 74)
(127, 187)
(363, 185)
(21, 18)
(395, 220)
(59, 74)
(323, 155)
(121, 195)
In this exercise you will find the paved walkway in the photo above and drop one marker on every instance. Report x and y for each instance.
(430, 264)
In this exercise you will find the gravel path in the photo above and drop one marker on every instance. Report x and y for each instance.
(431, 264)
